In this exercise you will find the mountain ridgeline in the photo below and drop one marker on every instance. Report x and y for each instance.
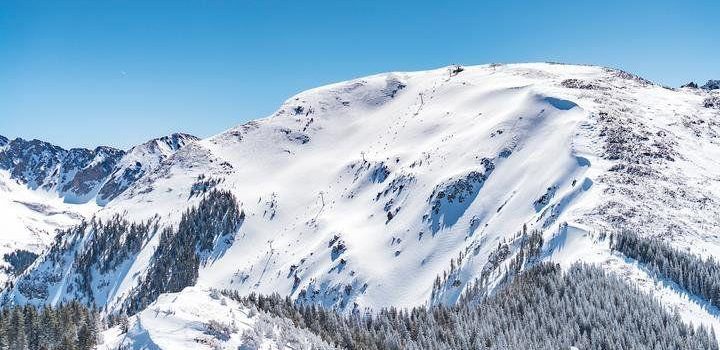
(79, 175)
(533, 205)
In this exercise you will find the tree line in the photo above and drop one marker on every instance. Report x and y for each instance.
(541, 308)
(66, 327)
(176, 262)
(696, 275)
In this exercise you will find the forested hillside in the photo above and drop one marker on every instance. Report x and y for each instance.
(543, 308)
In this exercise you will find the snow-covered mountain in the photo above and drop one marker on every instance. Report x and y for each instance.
(81, 175)
(398, 189)
(45, 188)
(74, 173)
(138, 161)
(30, 219)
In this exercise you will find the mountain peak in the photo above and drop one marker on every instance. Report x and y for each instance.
(350, 187)
(165, 144)
(80, 174)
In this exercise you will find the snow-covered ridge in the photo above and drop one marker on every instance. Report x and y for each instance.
(350, 189)
(208, 320)
(79, 175)
(45, 188)
(141, 160)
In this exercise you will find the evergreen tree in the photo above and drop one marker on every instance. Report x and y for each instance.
(541, 308)
(698, 276)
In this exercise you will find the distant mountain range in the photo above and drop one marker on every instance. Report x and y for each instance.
(80, 175)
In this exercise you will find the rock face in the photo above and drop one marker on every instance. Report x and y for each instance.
(712, 85)
(32, 162)
(138, 161)
(80, 175)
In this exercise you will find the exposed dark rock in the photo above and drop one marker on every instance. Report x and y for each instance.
(33, 162)
(449, 200)
(295, 136)
(711, 85)
(338, 248)
(629, 76)
(380, 173)
(545, 198)
(392, 87)
(78, 174)
(127, 172)
(94, 168)
(580, 84)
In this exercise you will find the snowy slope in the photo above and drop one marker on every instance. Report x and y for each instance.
(138, 161)
(45, 188)
(30, 219)
(208, 320)
(359, 194)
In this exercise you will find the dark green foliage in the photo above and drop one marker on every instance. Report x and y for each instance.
(70, 326)
(698, 276)
(177, 259)
(528, 247)
(19, 260)
(112, 242)
(542, 308)
(115, 240)
(204, 184)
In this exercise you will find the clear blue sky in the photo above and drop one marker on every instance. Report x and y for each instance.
(120, 72)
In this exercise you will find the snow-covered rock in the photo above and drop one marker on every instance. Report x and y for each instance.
(80, 175)
(139, 161)
(712, 85)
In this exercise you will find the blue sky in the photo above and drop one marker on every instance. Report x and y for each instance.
(85, 73)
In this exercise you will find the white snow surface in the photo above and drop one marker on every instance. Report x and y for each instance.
(203, 319)
(606, 150)
(31, 218)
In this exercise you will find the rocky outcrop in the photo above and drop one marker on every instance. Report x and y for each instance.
(138, 161)
(79, 175)
(712, 85)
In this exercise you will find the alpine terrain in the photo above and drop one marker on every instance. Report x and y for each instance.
(498, 206)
